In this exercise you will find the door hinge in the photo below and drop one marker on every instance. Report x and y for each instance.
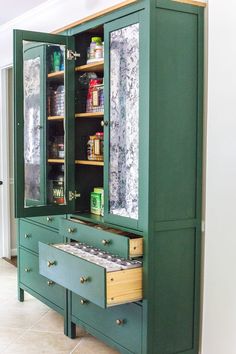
(72, 55)
(73, 195)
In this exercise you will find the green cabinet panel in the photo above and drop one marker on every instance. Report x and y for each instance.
(49, 220)
(30, 277)
(31, 234)
(128, 332)
(67, 270)
(98, 237)
(174, 284)
(176, 112)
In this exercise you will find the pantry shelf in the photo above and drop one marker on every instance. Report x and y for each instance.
(56, 161)
(55, 118)
(56, 74)
(97, 66)
(89, 115)
(91, 163)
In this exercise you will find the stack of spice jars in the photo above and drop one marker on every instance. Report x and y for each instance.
(95, 147)
(95, 96)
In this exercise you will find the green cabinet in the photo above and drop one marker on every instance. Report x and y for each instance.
(129, 138)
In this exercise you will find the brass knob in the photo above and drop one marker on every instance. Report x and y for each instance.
(106, 242)
(70, 230)
(119, 322)
(83, 302)
(83, 280)
(50, 283)
(104, 123)
(51, 263)
(27, 235)
(27, 270)
(49, 219)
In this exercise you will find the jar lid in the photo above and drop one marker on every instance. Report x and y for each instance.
(99, 134)
(96, 39)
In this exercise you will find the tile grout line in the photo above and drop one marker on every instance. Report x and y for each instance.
(77, 345)
(24, 332)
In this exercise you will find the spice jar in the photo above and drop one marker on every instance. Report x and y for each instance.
(61, 151)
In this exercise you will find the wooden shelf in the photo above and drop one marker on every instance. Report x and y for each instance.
(55, 118)
(89, 163)
(89, 115)
(79, 162)
(56, 74)
(97, 66)
(56, 161)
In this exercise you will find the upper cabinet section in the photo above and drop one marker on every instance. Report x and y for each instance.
(41, 113)
(81, 139)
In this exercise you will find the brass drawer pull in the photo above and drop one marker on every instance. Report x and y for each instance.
(27, 235)
(106, 242)
(83, 302)
(83, 280)
(120, 322)
(71, 230)
(49, 219)
(27, 270)
(51, 263)
(50, 282)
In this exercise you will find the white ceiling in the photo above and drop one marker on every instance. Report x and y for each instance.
(13, 8)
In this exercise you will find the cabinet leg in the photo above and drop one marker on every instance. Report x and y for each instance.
(71, 330)
(21, 296)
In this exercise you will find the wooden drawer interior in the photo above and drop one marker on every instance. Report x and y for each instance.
(125, 244)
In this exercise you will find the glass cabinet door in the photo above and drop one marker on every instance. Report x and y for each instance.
(122, 114)
(41, 123)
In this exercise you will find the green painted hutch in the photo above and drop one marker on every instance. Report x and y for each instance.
(108, 156)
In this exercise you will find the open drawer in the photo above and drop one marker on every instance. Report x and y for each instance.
(125, 244)
(103, 282)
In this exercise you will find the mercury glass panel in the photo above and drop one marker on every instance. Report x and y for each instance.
(124, 122)
(44, 106)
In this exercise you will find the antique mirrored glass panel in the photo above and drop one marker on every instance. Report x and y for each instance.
(44, 118)
(124, 122)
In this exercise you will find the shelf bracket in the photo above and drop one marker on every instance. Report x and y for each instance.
(72, 55)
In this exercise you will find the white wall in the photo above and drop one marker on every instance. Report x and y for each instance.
(219, 321)
(48, 17)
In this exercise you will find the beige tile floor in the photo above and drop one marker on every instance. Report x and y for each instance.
(30, 327)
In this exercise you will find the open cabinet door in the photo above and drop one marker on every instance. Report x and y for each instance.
(44, 124)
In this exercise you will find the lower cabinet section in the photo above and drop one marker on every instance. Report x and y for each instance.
(30, 277)
(121, 324)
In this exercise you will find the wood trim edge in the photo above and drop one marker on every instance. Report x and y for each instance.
(116, 7)
(95, 15)
(192, 2)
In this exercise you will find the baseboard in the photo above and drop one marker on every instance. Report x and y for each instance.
(14, 252)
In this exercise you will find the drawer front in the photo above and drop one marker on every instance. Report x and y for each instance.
(123, 324)
(31, 234)
(104, 240)
(29, 276)
(70, 272)
(50, 220)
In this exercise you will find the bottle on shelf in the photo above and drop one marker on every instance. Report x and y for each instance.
(95, 50)
(56, 185)
(95, 96)
(95, 147)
